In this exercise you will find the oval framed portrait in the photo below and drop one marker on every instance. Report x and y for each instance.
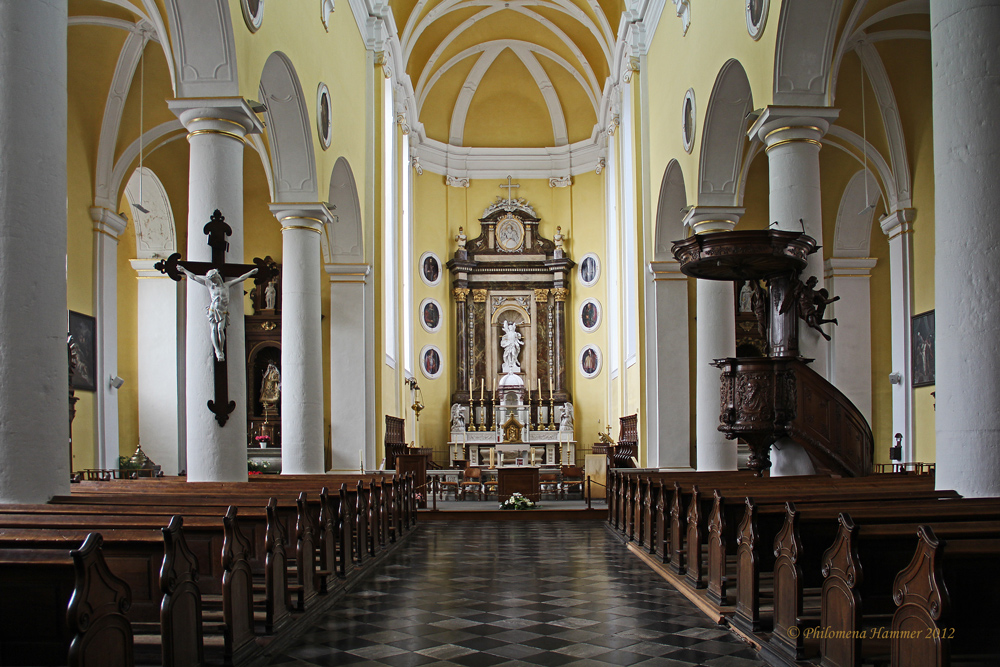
(324, 115)
(430, 315)
(253, 13)
(590, 361)
(430, 362)
(590, 315)
(430, 269)
(688, 120)
(756, 17)
(590, 269)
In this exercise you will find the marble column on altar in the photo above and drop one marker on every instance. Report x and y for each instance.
(462, 343)
(558, 375)
(349, 394)
(716, 339)
(302, 441)
(34, 410)
(216, 130)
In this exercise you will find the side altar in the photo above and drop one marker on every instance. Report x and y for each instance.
(510, 287)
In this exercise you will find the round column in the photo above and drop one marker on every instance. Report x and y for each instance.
(34, 409)
(302, 442)
(964, 40)
(558, 374)
(462, 344)
(216, 128)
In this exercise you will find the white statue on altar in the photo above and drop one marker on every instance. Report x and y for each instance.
(457, 417)
(566, 421)
(511, 344)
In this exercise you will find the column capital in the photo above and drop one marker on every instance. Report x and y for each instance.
(348, 273)
(898, 222)
(781, 124)
(108, 222)
(707, 219)
(216, 115)
(460, 294)
(542, 295)
(850, 267)
(313, 216)
(668, 269)
(560, 294)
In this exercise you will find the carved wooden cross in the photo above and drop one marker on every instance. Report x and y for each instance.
(217, 231)
(508, 188)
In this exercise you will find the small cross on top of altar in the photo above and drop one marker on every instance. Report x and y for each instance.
(509, 186)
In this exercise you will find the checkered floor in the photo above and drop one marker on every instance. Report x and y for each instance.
(516, 593)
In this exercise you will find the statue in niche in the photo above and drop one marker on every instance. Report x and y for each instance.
(809, 302)
(758, 304)
(566, 421)
(270, 386)
(270, 295)
(218, 309)
(457, 417)
(746, 297)
(511, 344)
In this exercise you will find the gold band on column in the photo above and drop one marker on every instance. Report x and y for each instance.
(232, 135)
(301, 217)
(792, 127)
(791, 141)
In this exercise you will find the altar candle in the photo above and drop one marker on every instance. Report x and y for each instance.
(482, 388)
(539, 388)
(550, 386)
(494, 389)
(470, 387)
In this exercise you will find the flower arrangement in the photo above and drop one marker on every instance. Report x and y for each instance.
(419, 497)
(257, 467)
(518, 502)
(263, 441)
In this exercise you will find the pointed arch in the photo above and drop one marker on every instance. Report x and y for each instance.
(724, 137)
(293, 163)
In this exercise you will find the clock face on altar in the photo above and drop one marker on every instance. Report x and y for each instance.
(509, 234)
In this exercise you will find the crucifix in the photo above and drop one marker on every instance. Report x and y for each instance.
(218, 277)
(508, 188)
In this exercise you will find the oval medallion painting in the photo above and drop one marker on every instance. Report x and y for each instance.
(430, 315)
(590, 269)
(590, 361)
(430, 362)
(590, 315)
(430, 269)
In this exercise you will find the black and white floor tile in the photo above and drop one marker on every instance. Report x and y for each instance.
(515, 593)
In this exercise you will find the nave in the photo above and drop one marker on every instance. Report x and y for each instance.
(515, 593)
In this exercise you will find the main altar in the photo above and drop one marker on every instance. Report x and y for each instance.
(510, 285)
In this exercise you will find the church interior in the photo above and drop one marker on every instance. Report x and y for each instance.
(680, 259)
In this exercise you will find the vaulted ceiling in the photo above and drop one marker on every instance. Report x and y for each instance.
(514, 73)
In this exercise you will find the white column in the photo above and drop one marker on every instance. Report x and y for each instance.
(301, 337)
(965, 35)
(108, 226)
(160, 314)
(898, 228)
(216, 128)
(34, 413)
(716, 332)
(851, 347)
(791, 137)
(668, 411)
(349, 372)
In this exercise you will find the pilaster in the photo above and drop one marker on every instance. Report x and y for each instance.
(850, 349)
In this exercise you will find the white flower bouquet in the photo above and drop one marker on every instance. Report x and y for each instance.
(518, 502)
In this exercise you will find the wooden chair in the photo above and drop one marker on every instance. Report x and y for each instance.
(472, 479)
(572, 480)
(549, 484)
(446, 486)
(491, 487)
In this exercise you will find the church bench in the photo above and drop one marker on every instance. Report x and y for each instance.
(62, 605)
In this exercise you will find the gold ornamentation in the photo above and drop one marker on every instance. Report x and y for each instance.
(479, 296)
(268, 326)
(461, 293)
(561, 294)
(541, 295)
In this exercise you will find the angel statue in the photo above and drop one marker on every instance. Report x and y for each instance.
(457, 417)
(511, 344)
(218, 309)
(566, 421)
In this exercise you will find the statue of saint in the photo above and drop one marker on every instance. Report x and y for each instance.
(270, 295)
(511, 344)
(566, 421)
(270, 386)
(218, 309)
(457, 418)
(746, 297)
(461, 239)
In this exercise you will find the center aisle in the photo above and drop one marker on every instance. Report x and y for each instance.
(516, 593)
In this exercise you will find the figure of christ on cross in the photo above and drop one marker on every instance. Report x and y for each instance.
(219, 277)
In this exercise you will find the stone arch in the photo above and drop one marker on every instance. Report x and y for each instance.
(293, 163)
(724, 137)
(853, 232)
(669, 211)
(807, 31)
(155, 231)
(203, 48)
(343, 242)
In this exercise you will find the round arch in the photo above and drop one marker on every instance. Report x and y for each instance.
(669, 211)
(724, 138)
(344, 242)
(293, 163)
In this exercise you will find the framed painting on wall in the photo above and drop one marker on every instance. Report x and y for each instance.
(430, 269)
(430, 362)
(590, 361)
(590, 269)
(430, 315)
(83, 329)
(922, 349)
(590, 315)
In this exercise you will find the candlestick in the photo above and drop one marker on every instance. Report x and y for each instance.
(471, 425)
(494, 388)
(552, 410)
(482, 388)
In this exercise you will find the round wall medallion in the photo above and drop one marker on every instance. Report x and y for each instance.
(590, 269)
(430, 315)
(253, 13)
(509, 234)
(430, 362)
(324, 116)
(590, 361)
(688, 120)
(590, 315)
(756, 17)
(430, 269)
